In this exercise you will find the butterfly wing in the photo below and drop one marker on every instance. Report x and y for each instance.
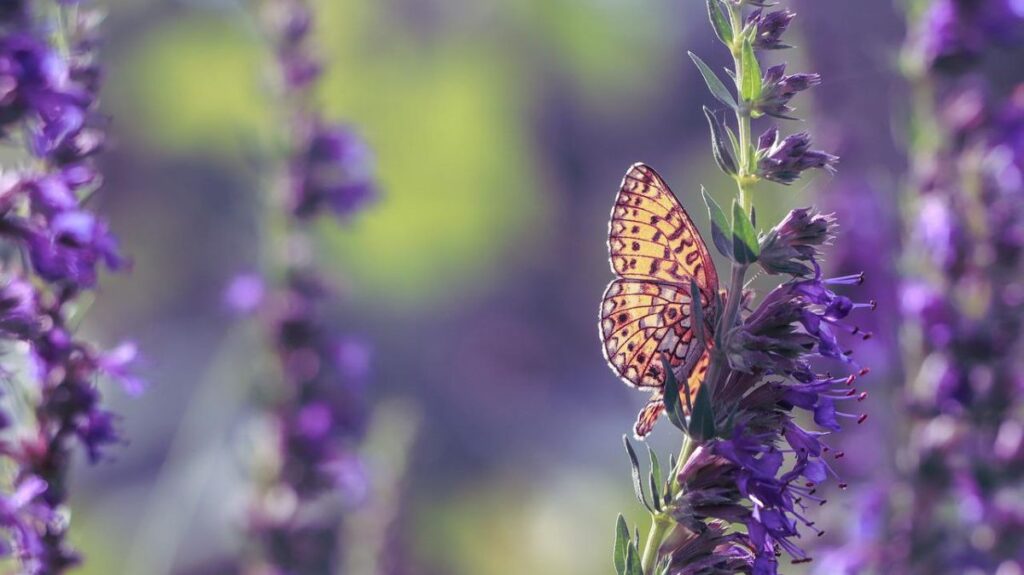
(651, 237)
(642, 321)
(656, 250)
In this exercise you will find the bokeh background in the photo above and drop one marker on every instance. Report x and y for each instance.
(501, 131)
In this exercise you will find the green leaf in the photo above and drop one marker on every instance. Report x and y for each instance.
(655, 476)
(721, 230)
(633, 566)
(621, 545)
(744, 240)
(652, 484)
(721, 24)
(732, 139)
(702, 422)
(638, 487)
(670, 396)
(719, 145)
(697, 311)
(750, 83)
(717, 88)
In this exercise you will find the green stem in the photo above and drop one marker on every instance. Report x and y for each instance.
(674, 486)
(660, 528)
(661, 523)
(746, 168)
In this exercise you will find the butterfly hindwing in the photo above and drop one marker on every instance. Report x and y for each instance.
(641, 321)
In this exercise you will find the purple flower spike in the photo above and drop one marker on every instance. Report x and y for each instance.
(320, 413)
(48, 96)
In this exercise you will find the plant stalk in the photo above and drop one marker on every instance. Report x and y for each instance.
(662, 523)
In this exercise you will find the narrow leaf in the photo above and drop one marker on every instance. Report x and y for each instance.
(721, 24)
(719, 145)
(638, 487)
(702, 422)
(744, 240)
(717, 88)
(655, 463)
(621, 545)
(652, 484)
(733, 140)
(721, 230)
(750, 83)
(655, 473)
(670, 396)
(633, 566)
(697, 310)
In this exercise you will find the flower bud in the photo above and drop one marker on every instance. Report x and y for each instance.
(769, 28)
(778, 89)
(783, 161)
(790, 246)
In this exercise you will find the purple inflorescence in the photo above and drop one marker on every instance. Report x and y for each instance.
(967, 442)
(317, 410)
(48, 98)
(960, 478)
(746, 493)
(765, 471)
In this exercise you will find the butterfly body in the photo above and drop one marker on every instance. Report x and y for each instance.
(647, 313)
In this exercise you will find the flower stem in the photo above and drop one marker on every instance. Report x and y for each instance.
(745, 171)
(660, 528)
(661, 523)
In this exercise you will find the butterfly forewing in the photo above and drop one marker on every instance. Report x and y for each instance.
(646, 313)
(652, 237)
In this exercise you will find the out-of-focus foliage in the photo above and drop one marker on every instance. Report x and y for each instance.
(501, 129)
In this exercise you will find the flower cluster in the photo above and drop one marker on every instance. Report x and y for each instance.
(739, 495)
(48, 102)
(763, 468)
(317, 407)
(967, 440)
(962, 471)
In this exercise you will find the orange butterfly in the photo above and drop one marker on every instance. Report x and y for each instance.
(655, 252)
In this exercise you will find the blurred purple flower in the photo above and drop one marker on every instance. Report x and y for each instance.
(334, 172)
(967, 392)
(47, 95)
(955, 33)
(35, 88)
(245, 293)
(320, 408)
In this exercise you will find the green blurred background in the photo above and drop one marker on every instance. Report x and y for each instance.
(501, 131)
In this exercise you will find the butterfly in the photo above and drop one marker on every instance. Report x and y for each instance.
(646, 313)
